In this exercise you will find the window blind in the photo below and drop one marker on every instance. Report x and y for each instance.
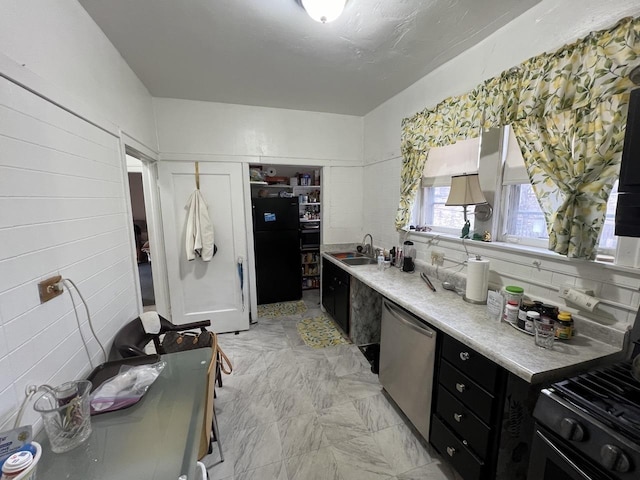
(514, 169)
(456, 159)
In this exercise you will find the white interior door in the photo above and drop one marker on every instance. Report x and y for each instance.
(206, 290)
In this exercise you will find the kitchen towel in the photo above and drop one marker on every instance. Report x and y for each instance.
(199, 232)
(477, 280)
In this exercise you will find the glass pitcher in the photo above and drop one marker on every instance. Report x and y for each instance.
(66, 414)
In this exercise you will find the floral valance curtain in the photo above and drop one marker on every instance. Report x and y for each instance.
(559, 106)
(452, 120)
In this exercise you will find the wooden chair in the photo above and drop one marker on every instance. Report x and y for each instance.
(210, 432)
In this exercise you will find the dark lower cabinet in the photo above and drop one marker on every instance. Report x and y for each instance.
(335, 294)
(482, 416)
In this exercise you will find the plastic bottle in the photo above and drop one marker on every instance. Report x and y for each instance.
(511, 312)
(531, 317)
(380, 260)
(549, 313)
(525, 306)
(564, 326)
(16, 464)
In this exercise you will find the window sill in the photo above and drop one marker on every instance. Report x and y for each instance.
(525, 250)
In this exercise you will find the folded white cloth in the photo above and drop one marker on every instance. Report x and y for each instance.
(150, 322)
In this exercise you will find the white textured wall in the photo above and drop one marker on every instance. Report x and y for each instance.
(64, 211)
(62, 191)
(207, 131)
(545, 27)
(58, 41)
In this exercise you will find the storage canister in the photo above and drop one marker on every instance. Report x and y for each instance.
(513, 293)
(532, 316)
(564, 326)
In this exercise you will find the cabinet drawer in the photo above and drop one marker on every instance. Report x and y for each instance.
(467, 391)
(471, 363)
(463, 422)
(466, 463)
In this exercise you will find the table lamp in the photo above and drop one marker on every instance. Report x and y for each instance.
(465, 191)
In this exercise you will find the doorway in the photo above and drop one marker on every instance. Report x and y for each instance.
(141, 233)
(298, 188)
(148, 243)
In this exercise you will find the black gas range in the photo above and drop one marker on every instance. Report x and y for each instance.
(588, 427)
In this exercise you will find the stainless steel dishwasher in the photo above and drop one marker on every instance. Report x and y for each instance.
(407, 357)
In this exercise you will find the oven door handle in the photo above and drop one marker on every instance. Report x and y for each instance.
(566, 459)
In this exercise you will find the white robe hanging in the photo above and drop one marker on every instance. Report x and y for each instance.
(199, 238)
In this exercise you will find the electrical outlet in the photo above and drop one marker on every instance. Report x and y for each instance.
(437, 258)
(48, 288)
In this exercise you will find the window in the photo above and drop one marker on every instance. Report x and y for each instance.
(437, 215)
(442, 163)
(608, 239)
(524, 221)
(520, 218)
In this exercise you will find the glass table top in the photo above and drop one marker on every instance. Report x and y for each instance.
(156, 439)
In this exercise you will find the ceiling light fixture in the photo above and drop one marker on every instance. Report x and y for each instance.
(324, 11)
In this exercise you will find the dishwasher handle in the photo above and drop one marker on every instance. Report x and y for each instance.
(423, 329)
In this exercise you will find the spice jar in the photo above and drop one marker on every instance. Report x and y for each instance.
(564, 326)
(532, 316)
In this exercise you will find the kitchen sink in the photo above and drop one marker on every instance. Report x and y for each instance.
(353, 258)
(358, 261)
(343, 255)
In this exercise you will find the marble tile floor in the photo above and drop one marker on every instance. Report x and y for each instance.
(290, 412)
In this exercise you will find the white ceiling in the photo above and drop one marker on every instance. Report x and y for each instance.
(270, 53)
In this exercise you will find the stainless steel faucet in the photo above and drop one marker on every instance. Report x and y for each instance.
(367, 249)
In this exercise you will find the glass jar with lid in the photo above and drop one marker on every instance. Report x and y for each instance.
(513, 293)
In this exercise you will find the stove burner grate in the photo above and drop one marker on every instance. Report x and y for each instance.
(611, 394)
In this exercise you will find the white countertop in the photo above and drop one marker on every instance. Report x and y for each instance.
(470, 324)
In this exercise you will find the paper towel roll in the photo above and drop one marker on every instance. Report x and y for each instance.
(477, 280)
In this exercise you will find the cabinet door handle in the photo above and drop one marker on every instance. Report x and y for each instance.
(464, 356)
(451, 451)
(457, 417)
(461, 387)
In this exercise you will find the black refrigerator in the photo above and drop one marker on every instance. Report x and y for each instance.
(277, 249)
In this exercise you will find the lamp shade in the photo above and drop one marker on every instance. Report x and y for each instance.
(324, 10)
(465, 190)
